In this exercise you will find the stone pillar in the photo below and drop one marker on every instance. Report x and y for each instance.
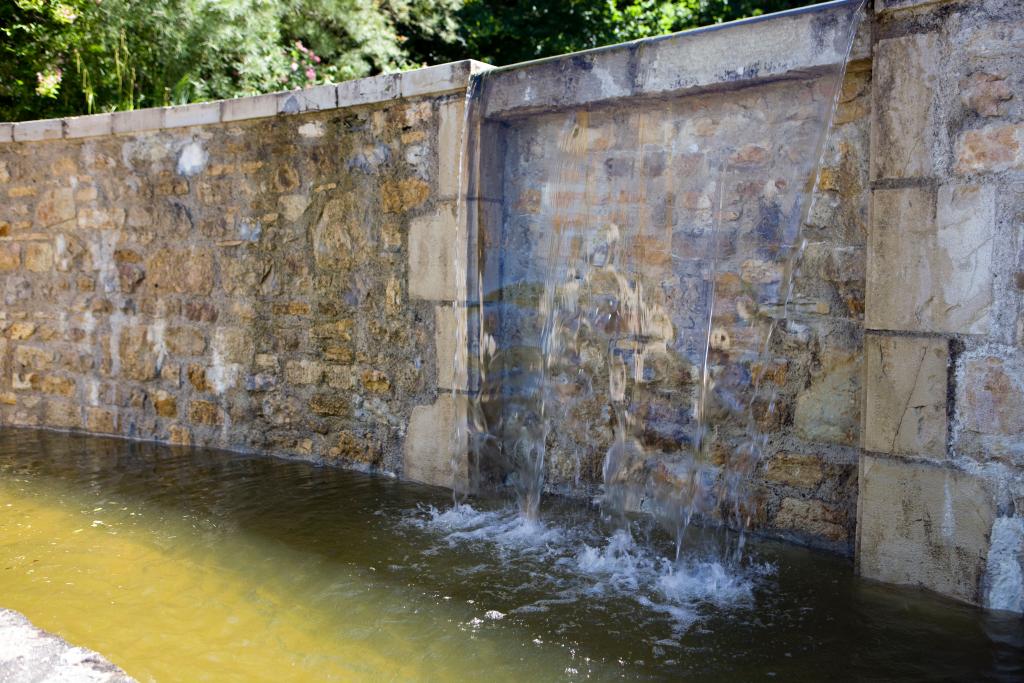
(435, 450)
(943, 432)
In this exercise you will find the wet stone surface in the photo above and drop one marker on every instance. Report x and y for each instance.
(29, 654)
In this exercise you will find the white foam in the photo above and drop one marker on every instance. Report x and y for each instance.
(579, 563)
(502, 528)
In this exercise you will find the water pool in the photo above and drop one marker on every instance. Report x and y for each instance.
(186, 564)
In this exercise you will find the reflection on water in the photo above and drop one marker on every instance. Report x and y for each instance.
(195, 565)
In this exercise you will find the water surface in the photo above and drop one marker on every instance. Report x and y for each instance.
(186, 564)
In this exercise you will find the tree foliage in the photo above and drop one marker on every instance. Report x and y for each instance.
(66, 57)
(510, 31)
(60, 57)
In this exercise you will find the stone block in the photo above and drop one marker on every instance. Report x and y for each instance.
(138, 121)
(369, 90)
(331, 404)
(39, 257)
(204, 413)
(795, 469)
(905, 396)
(985, 93)
(434, 243)
(828, 411)
(55, 206)
(318, 98)
(906, 75)
(244, 108)
(452, 117)
(982, 41)
(303, 372)
(435, 80)
(10, 256)
(55, 385)
(200, 114)
(185, 341)
(1004, 573)
(930, 259)
(33, 131)
(994, 148)
(990, 407)
(180, 271)
(165, 404)
(135, 354)
(811, 517)
(435, 443)
(6, 132)
(88, 126)
(179, 435)
(450, 336)
(375, 381)
(21, 330)
(90, 218)
(62, 414)
(100, 420)
(923, 525)
(403, 195)
(32, 358)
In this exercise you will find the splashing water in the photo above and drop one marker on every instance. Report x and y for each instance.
(580, 561)
(628, 265)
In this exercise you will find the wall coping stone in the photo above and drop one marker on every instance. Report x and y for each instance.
(764, 48)
(757, 48)
(883, 6)
(31, 131)
(432, 80)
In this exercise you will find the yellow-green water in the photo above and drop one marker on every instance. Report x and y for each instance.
(187, 565)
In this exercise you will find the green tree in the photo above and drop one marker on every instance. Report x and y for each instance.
(509, 31)
(82, 56)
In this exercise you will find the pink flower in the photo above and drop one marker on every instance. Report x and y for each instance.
(295, 67)
(298, 44)
(316, 58)
(310, 74)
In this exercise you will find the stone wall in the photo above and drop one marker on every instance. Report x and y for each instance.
(575, 172)
(273, 274)
(942, 476)
(258, 274)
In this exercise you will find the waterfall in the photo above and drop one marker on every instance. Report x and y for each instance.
(632, 237)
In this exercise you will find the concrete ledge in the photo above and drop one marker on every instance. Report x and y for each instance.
(88, 126)
(431, 80)
(439, 79)
(368, 90)
(198, 114)
(127, 122)
(33, 131)
(785, 45)
(31, 654)
(258, 107)
(310, 99)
